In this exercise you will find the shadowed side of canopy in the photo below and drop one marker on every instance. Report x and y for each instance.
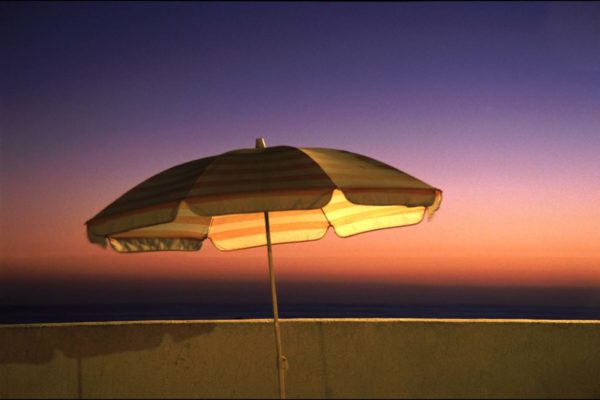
(154, 201)
(223, 198)
(366, 181)
(256, 180)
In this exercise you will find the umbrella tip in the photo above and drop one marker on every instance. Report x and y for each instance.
(260, 143)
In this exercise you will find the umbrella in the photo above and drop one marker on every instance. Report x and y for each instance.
(263, 196)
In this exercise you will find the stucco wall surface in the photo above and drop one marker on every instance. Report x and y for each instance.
(328, 358)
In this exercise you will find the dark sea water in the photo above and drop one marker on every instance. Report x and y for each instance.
(135, 312)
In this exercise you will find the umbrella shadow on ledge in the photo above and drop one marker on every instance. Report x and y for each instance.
(82, 342)
(79, 342)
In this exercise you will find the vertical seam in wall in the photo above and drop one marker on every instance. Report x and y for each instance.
(326, 391)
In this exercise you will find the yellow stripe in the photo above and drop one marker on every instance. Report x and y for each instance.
(238, 233)
(367, 215)
(229, 222)
(276, 238)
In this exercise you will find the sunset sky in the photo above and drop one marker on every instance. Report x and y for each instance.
(497, 104)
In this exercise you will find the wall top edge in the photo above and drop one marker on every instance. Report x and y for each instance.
(285, 321)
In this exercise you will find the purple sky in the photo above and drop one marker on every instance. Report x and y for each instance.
(498, 104)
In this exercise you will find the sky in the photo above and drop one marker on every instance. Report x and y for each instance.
(497, 104)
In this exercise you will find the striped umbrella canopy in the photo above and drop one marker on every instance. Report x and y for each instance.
(263, 196)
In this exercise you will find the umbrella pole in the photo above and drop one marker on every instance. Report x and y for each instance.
(281, 360)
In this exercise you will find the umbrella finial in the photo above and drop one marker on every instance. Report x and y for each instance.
(260, 143)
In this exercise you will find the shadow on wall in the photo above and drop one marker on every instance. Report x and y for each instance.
(90, 340)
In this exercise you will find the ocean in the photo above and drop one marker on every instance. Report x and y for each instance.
(24, 314)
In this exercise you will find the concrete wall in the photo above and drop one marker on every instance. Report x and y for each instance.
(328, 358)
